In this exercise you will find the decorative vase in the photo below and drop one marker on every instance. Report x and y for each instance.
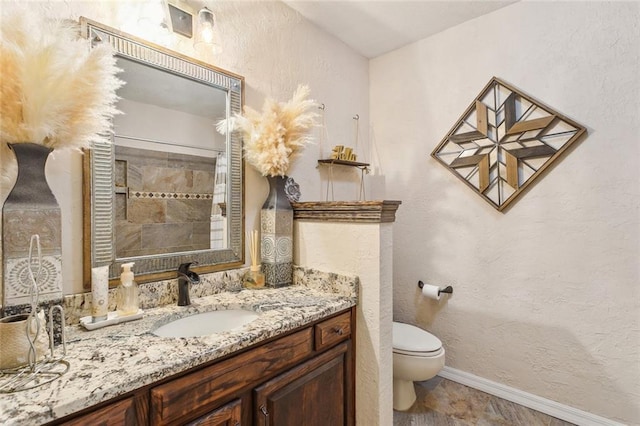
(31, 208)
(276, 223)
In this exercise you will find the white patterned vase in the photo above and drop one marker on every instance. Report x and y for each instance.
(276, 223)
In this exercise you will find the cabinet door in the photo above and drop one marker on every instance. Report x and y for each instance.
(227, 415)
(315, 393)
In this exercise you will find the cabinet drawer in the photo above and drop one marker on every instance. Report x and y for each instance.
(118, 413)
(196, 393)
(227, 415)
(332, 331)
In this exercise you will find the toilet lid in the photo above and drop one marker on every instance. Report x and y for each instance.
(407, 337)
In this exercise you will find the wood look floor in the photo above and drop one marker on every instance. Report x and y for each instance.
(442, 402)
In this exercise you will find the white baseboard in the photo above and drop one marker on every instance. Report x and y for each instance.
(538, 403)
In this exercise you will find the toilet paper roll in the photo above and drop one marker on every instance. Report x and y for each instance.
(431, 291)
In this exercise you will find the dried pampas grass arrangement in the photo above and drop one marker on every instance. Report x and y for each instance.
(273, 137)
(54, 90)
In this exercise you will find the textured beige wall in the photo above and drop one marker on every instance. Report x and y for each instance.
(546, 296)
(365, 250)
(275, 49)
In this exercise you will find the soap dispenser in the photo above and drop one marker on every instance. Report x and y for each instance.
(127, 292)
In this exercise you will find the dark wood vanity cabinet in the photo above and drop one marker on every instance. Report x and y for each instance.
(305, 377)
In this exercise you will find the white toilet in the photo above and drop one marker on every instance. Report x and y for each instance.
(417, 355)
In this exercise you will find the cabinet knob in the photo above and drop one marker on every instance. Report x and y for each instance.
(339, 331)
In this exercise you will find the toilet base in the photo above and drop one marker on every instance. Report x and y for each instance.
(408, 369)
(404, 394)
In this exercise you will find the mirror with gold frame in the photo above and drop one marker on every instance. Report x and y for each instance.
(169, 188)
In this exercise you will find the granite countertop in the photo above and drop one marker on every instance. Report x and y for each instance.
(111, 361)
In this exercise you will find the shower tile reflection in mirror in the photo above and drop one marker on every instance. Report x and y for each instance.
(163, 201)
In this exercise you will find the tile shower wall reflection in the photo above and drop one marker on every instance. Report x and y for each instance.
(163, 201)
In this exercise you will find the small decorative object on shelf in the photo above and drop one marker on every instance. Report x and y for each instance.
(271, 139)
(253, 278)
(339, 152)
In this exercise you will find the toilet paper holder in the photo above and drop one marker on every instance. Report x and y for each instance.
(448, 289)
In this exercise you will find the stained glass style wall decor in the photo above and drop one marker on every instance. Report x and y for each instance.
(504, 141)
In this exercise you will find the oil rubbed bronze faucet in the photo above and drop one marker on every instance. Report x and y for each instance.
(186, 277)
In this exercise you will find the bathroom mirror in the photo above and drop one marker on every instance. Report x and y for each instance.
(169, 188)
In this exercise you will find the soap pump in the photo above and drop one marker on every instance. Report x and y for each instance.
(127, 292)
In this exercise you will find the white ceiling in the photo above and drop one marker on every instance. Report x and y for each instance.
(375, 27)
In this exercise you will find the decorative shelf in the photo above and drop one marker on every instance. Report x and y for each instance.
(344, 163)
(363, 167)
(381, 211)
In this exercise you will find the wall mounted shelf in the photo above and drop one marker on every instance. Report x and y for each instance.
(363, 167)
(344, 163)
(380, 211)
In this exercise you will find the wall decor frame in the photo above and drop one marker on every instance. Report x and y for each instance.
(504, 141)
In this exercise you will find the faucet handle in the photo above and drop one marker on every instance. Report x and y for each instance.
(190, 276)
(184, 267)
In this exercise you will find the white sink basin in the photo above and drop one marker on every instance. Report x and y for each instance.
(206, 323)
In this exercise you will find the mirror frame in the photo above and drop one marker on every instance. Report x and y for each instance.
(98, 171)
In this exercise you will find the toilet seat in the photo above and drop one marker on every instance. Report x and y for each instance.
(411, 340)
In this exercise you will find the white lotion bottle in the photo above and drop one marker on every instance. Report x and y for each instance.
(99, 293)
(127, 292)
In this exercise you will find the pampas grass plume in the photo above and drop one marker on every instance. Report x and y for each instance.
(273, 137)
(54, 90)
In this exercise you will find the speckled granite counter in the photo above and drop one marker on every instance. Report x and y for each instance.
(109, 362)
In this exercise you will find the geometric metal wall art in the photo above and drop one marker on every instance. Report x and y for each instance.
(504, 141)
